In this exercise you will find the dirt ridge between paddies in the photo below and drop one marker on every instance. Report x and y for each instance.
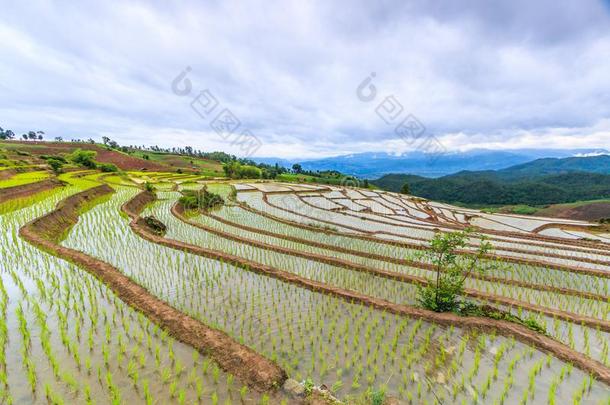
(367, 235)
(400, 277)
(493, 256)
(490, 233)
(241, 361)
(496, 232)
(26, 190)
(505, 328)
(403, 262)
(541, 240)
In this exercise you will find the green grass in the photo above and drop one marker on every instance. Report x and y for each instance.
(21, 146)
(205, 166)
(295, 178)
(581, 203)
(335, 181)
(24, 178)
(523, 209)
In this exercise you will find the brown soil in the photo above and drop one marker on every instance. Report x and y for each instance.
(7, 174)
(516, 234)
(407, 278)
(404, 262)
(521, 333)
(586, 212)
(369, 236)
(123, 161)
(252, 368)
(567, 227)
(364, 235)
(27, 190)
(533, 237)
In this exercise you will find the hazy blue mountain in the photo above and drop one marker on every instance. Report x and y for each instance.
(373, 165)
(272, 161)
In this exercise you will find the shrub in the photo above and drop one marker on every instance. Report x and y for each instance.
(56, 157)
(155, 225)
(468, 308)
(108, 167)
(249, 172)
(308, 386)
(452, 269)
(148, 186)
(55, 164)
(534, 325)
(203, 199)
(84, 158)
(376, 397)
(524, 210)
(190, 202)
(236, 170)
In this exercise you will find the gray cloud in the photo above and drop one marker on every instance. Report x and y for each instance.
(477, 73)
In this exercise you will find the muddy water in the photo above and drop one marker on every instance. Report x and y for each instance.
(512, 271)
(372, 223)
(312, 335)
(69, 299)
(577, 305)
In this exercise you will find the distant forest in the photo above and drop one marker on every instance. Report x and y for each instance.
(541, 182)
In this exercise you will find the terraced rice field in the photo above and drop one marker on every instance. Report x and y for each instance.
(308, 284)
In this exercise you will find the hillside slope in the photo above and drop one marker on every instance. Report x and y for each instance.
(122, 160)
(540, 167)
(541, 182)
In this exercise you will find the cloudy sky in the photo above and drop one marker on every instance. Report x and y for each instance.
(475, 73)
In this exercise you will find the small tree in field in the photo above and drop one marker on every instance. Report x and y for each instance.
(55, 164)
(405, 189)
(442, 294)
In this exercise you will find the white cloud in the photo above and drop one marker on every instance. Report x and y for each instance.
(511, 74)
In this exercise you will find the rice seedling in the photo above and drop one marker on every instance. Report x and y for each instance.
(222, 295)
(60, 313)
(76, 342)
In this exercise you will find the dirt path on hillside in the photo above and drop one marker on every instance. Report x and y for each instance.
(241, 361)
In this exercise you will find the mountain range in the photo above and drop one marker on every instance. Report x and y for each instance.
(540, 182)
(371, 165)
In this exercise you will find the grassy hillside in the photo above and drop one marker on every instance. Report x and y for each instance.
(29, 152)
(541, 167)
(582, 210)
(175, 161)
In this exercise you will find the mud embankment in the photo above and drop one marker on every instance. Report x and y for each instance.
(241, 361)
(401, 277)
(521, 333)
(26, 190)
(510, 259)
(402, 262)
